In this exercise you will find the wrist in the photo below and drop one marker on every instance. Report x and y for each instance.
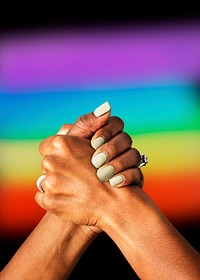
(67, 229)
(148, 240)
(129, 208)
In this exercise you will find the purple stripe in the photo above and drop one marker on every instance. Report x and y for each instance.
(75, 59)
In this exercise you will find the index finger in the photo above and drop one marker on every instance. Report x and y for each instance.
(46, 146)
(107, 132)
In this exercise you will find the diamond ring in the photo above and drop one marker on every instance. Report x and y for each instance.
(144, 160)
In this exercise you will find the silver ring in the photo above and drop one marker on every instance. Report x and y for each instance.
(143, 160)
(39, 183)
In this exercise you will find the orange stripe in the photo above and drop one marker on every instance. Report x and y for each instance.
(19, 211)
(177, 197)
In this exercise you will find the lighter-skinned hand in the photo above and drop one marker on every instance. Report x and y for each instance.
(72, 189)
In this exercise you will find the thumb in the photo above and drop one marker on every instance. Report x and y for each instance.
(86, 125)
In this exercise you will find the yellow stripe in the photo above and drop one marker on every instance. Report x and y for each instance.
(173, 152)
(167, 152)
(20, 161)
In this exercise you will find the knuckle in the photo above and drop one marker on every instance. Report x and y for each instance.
(88, 122)
(48, 203)
(83, 122)
(138, 174)
(49, 163)
(127, 138)
(42, 146)
(80, 121)
(131, 153)
(50, 184)
(138, 177)
(121, 162)
(107, 133)
(128, 179)
(114, 125)
(118, 121)
(82, 127)
(59, 141)
(133, 176)
(136, 155)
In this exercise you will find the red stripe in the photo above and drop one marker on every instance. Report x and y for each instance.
(178, 198)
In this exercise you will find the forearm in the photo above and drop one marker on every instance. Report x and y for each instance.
(152, 246)
(50, 252)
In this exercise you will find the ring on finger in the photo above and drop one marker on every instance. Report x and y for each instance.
(39, 183)
(143, 160)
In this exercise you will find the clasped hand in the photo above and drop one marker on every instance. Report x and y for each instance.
(74, 188)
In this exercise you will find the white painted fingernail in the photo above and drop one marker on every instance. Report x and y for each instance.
(102, 109)
(98, 142)
(99, 159)
(105, 173)
(116, 180)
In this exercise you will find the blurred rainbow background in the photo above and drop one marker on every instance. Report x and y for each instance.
(150, 76)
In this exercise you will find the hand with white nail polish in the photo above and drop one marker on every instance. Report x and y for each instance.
(113, 157)
(104, 134)
(116, 161)
(71, 173)
(91, 126)
(85, 127)
(128, 215)
(72, 181)
(73, 191)
(109, 141)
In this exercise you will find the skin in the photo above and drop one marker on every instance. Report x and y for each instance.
(56, 244)
(152, 246)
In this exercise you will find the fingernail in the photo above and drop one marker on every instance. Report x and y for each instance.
(99, 159)
(98, 142)
(116, 180)
(102, 109)
(105, 173)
